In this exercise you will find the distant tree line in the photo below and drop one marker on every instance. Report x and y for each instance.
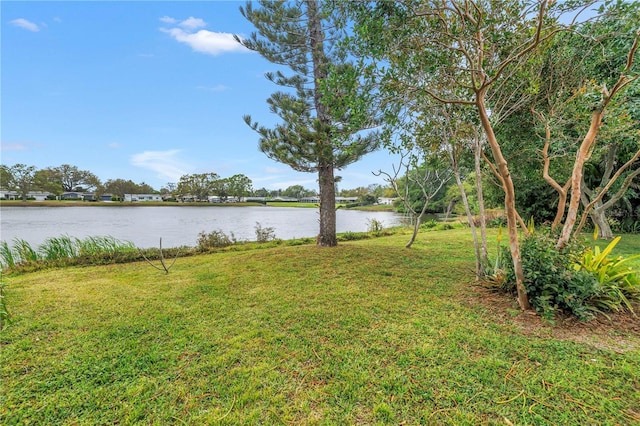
(196, 187)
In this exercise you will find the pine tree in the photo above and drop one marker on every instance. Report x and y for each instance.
(319, 133)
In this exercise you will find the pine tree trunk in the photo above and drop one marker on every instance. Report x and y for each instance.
(326, 179)
(327, 236)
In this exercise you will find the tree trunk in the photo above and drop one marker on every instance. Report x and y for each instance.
(477, 150)
(582, 156)
(327, 236)
(416, 225)
(599, 218)
(326, 179)
(472, 225)
(561, 190)
(509, 202)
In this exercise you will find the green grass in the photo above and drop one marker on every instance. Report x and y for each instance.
(364, 333)
(375, 208)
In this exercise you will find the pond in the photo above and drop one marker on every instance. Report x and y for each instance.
(176, 225)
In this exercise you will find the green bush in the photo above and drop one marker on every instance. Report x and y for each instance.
(445, 227)
(353, 236)
(214, 239)
(264, 235)
(375, 227)
(552, 284)
(576, 280)
(432, 223)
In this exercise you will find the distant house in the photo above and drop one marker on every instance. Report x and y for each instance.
(254, 199)
(142, 197)
(38, 195)
(72, 196)
(8, 195)
(385, 200)
(312, 199)
(106, 197)
(345, 200)
(31, 195)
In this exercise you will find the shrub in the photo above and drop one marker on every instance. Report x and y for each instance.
(264, 235)
(214, 239)
(374, 226)
(575, 280)
(352, 236)
(552, 284)
(445, 227)
(432, 223)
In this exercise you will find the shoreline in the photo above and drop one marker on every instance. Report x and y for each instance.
(53, 203)
(115, 204)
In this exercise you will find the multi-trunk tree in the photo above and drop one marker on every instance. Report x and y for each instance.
(318, 132)
(481, 54)
(470, 46)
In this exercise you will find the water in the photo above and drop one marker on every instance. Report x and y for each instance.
(176, 225)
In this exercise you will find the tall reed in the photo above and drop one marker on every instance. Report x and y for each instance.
(7, 257)
(59, 248)
(24, 251)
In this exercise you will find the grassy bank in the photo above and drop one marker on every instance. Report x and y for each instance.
(364, 333)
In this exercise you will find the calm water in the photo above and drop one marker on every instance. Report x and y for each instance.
(177, 226)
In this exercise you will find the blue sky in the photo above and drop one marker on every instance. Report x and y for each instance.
(146, 91)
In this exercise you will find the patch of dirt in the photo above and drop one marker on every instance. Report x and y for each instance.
(620, 332)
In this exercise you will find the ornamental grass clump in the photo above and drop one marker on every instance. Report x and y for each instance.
(618, 284)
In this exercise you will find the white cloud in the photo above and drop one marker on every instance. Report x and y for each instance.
(275, 170)
(217, 88)
(192, 23)
(168, 20)
(209, 42)
(203, 41)
(27, 25)
(115, 145)
(164, 163)
(306, 183)
(13, 147)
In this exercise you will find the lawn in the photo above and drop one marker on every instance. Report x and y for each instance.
(365, 333)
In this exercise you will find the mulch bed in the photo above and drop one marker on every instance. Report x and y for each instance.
(620, 332)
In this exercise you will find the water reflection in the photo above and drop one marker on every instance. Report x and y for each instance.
(176, 225)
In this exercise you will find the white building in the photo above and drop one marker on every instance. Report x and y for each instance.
(142, 197)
